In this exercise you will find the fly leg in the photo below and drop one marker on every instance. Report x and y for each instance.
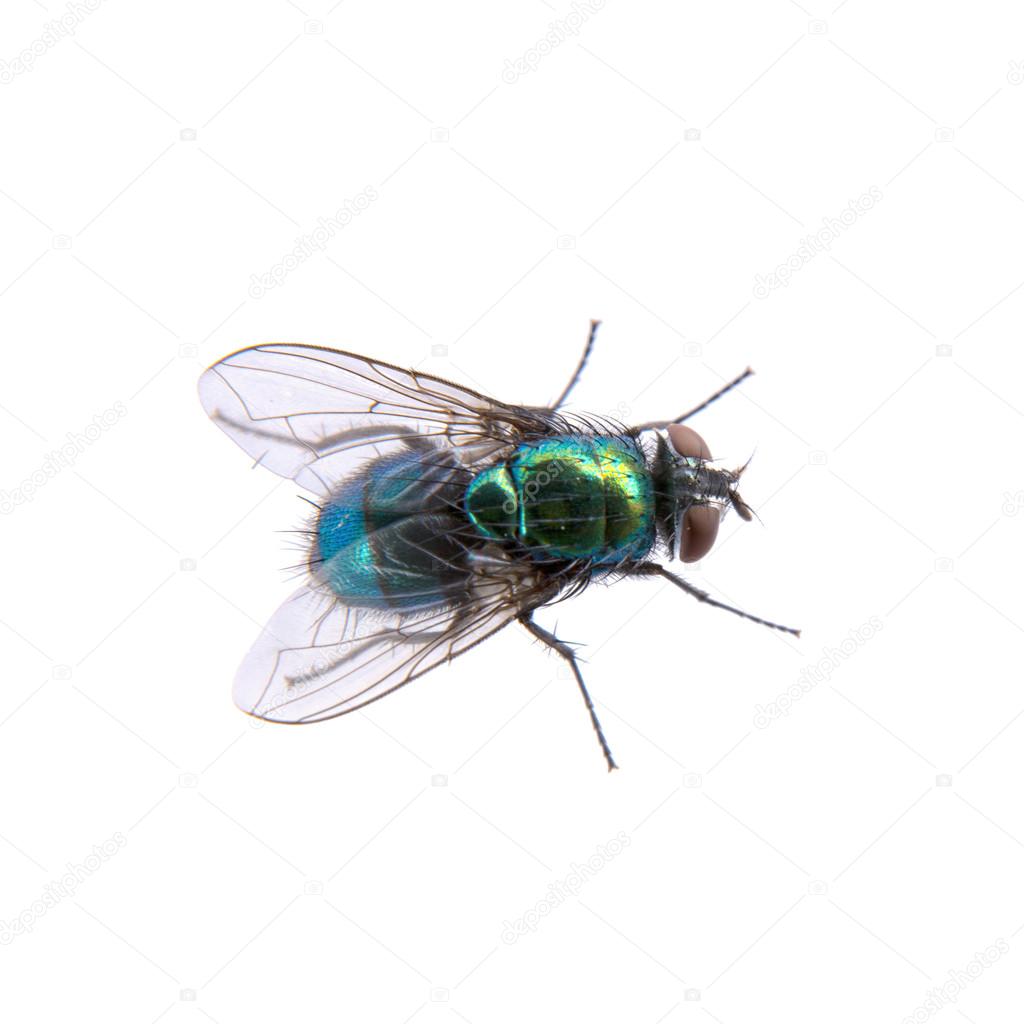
(653, 569)
(661, 424)
(577, 373)
(566, 652)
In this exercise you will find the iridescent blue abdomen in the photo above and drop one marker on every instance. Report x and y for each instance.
(573, 496)
(388, 538)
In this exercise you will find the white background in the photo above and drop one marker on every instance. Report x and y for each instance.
(834, 863)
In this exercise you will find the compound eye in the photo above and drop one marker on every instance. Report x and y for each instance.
(699, 527)
(699, 532)
(688, 442)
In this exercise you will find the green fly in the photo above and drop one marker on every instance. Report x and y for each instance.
(443, 515)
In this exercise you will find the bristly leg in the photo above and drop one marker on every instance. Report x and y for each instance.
(653, 569)
(578, 372)
(566, 652)
(661, 424)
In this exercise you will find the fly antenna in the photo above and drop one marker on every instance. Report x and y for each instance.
(743, 510)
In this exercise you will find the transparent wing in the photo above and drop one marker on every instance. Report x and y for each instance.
(317, 658)
(310, 413)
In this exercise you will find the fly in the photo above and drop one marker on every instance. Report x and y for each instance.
(443, 515)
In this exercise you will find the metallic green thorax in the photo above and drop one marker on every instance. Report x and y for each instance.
(568, 497)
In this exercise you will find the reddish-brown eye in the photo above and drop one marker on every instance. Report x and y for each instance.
(688, 442)
(699, 528)
(699, 532)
